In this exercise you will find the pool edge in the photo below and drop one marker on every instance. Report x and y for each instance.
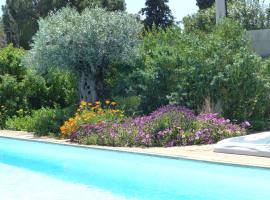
(132, 151)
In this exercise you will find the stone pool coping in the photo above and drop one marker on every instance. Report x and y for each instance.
(203, 153)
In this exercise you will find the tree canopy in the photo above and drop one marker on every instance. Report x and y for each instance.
(157, 13)
(87, 43)
(20, 16)
(203, 4)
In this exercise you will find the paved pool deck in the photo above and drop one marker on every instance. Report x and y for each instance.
(200, 153)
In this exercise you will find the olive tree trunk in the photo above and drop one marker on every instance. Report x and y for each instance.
(87, 87)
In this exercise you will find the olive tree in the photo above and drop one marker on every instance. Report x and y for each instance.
(87, 43)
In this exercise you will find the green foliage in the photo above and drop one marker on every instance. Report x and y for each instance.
(130, 105)
(203, 4)
(41, 122)
(203, 20)
(190, 68)
(157, 13)
(10, 59)
(159, 74)
(16, 83)
(87, 43)
(3, 42)
(20, 17)
(250, 14)
(22, 88)
(61, 88)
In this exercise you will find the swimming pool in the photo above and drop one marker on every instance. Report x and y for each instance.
(33, 170)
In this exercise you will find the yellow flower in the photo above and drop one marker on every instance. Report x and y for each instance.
(113, 103)
(83, 103)
(107, 102)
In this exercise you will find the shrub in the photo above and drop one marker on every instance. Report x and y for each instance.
(158, 73)
(130, 105)
(61, 88)
(251, 15)
(10, 62)
(41, 122)
(187, 69)
(23, 88)
(27, 93)
(88, 113)
(168, 126)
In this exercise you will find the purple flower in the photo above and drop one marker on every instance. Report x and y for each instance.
(245, 124)
(198, 134)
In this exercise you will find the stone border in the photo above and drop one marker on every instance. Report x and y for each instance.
(202, 153)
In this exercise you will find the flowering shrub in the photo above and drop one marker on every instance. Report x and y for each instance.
(168, 126)
(93, 114)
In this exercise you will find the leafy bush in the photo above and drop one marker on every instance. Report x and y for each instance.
(10, 60)
(18, 86)
(23, 88)
(130, 105)
(189, 68)
(88, 113)
(41, 122)
(168, 126)
(251, 15)
(158, 73)
(61, 88)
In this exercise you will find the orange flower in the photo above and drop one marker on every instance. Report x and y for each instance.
(100, 123)
(100, 112)
(63, 129)
(97, 102)
(95, 107)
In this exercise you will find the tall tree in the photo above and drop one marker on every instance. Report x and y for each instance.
(20, 16)
(157, 13)
(203, 4)
(87, 43)
(3, 41)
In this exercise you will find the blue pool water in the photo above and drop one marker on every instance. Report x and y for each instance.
(33, 170)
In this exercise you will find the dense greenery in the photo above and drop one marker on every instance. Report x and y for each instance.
(3, 42)
(20, 17)
(87, 43)
(203, 4)
(216, 70)
(23, 90)
(207, 68)
(157, 13)
(42, 122)
(250, 14)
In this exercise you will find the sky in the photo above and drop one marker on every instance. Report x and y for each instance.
(179, 8)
